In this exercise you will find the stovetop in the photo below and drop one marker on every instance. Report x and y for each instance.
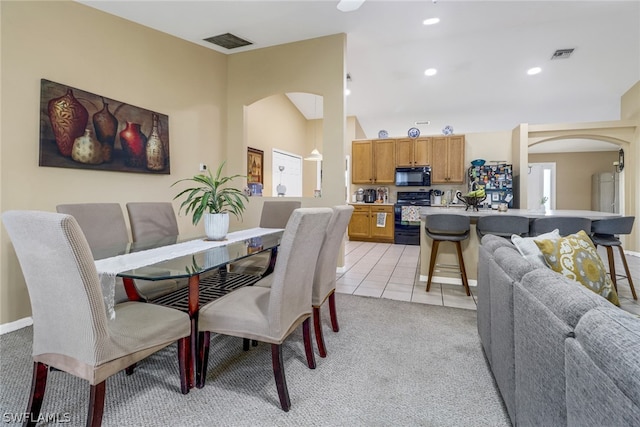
(413, 198)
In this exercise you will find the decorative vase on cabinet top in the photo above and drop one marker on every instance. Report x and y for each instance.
(133, 145)
(68, 119)
(155, 149)
(106, 126)
(87, 150)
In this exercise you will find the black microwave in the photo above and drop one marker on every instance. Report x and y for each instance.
(413, 177)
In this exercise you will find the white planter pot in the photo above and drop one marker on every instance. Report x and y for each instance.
(216, 226)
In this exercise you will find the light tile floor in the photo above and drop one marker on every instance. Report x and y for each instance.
(383, 270)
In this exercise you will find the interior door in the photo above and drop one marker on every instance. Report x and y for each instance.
(541, 183)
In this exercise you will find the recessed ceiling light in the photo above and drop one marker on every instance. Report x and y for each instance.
(431, 21)
(534, 70)
(430, 72)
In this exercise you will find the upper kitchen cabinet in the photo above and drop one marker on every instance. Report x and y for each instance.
(373, 161)
(447, 155)
(413, 152)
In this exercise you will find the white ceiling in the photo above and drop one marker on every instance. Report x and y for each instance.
(481, 50)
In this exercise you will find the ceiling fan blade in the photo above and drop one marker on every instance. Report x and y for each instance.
(349, 5)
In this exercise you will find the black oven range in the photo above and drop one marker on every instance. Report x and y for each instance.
(406, 213)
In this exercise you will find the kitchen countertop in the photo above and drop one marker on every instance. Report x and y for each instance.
(370, 204)
(593, 215)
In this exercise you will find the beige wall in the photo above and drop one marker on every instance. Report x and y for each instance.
(573, 175)
(69, 43)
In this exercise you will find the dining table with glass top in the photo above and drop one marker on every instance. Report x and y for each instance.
(202, 262)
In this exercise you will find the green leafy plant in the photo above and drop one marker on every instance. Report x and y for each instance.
(544, 200)
(211, 195)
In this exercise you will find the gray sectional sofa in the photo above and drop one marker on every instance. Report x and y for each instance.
(560, 354)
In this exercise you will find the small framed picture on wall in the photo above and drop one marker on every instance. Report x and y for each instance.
(255, 169)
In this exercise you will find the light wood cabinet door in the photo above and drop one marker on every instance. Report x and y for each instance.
(422, 152)
(447, 154)
(384, 161)
(386, 233)
(362, 162)
(404, 152)
(359, 225)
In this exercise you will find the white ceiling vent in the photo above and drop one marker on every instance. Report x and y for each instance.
(562, 53)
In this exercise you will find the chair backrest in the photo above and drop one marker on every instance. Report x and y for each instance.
(290, 296)
(68, 311)
(447, 223)
(152, 220)
(324, 280)
(502, 225)
(613, 226)
(103, 224)
(275, 214)
(565, 224)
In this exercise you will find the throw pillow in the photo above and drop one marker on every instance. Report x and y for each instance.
(528, 249)
(576, 257)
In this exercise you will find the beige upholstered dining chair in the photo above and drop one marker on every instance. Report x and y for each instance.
(275, 214)
(324, 280)
(71, 331)
(271, 314)
(152, 220)
(104, 226)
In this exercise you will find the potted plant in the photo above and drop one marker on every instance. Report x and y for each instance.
(212, 200)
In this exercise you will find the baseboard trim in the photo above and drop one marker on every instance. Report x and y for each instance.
(632, 253)
(5, 328)
(341, 270)
(448, 280)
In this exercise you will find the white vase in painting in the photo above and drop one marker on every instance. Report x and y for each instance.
(216, 225)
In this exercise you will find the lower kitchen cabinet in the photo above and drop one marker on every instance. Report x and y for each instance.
(364, 224)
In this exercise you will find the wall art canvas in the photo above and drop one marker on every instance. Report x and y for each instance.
(255, 168)
(79, 129)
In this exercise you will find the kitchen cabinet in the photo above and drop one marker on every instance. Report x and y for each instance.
(447, 155)
(413, 152)
(373, 161)
(364, 223)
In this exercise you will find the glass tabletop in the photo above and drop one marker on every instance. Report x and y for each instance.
(194, 263)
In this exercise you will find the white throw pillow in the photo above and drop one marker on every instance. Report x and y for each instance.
(528, 248)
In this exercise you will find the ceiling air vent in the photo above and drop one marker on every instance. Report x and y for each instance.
(562, 53)
(228, 41)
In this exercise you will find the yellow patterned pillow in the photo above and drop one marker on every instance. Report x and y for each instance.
(575, 257)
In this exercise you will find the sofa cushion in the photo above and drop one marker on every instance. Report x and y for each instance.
(576, 257)
(528, 248)
(603, 369)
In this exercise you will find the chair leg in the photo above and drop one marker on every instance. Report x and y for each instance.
(626, 269)
(245, 344)
(308, 344)
(129, 369)
(38, 386)
(96, 404)
(332, 311)
(184, 363)
(612, 267)
(317, 326)
(278, 373)
(432, 262)
(463, 271)
(203, 358)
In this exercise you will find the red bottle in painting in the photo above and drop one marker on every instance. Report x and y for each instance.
(68, 119)
(133, 145)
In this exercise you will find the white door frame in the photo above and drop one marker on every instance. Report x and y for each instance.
(541, 182)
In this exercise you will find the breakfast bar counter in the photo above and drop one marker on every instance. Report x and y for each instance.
(447, 254)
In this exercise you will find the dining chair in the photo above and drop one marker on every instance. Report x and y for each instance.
(152, 220)
(271, 314)
(324, 279)
(71, 331)
(104, 226)
(275, 214)
(566, 225)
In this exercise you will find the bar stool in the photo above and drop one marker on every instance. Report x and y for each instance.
(605, 233)
(502, 225)
(565, 224)
(447, 228)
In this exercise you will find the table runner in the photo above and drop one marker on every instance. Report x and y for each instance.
(108, 268)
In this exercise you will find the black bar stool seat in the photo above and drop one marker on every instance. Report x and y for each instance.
(502, 225)
(448, 228)
(605, 233)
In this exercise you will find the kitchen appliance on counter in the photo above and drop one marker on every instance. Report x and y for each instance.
(370, 195)
(406, 213)
(497, 180)
(416, 177)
